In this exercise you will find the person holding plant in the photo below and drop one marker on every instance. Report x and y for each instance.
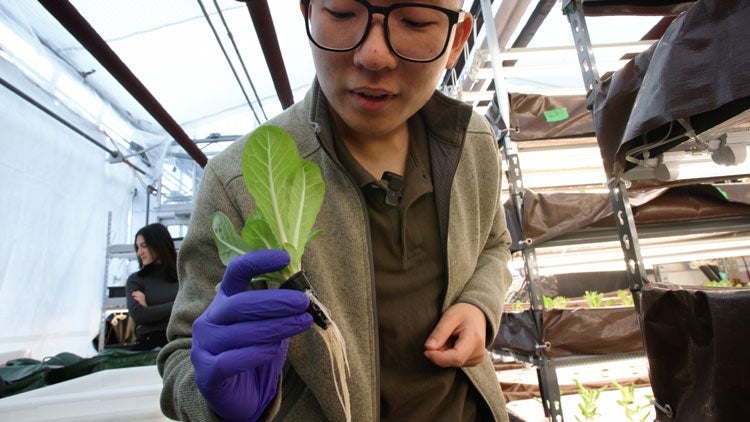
(411, 259)
(150, 292)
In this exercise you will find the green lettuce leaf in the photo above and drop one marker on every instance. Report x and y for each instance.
(288, 192)
(228, 242)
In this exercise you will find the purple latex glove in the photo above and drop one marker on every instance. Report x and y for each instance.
(240, 341)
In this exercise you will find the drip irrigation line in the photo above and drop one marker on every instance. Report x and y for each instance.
(239, 56)
(226, 56)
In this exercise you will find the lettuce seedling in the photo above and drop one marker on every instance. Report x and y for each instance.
(593, 299)
(288, 192)
(589, 397)
(626, 298)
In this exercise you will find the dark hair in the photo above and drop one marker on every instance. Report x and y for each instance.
(159, 242)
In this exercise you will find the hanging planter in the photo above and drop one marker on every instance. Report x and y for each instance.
(575, 329)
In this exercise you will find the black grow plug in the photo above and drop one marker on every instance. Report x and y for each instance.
(299, 282)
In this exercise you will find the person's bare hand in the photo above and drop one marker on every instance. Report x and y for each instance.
(458, 339)
(139, 297)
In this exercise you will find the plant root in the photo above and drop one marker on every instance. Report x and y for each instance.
(337, 353)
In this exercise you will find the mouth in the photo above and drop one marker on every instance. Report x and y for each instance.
(372, 98)
(372, 95)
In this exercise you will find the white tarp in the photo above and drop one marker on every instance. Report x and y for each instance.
(56, 194)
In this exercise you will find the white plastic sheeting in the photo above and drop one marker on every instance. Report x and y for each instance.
(57, 191)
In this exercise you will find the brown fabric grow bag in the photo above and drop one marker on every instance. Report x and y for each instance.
(572, 331)
(697, 341)
(547, 216)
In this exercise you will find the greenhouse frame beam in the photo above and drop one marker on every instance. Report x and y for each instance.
(82, 31)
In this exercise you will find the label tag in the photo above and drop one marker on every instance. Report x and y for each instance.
(556, 115)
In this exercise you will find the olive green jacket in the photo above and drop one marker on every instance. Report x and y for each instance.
(467, 184)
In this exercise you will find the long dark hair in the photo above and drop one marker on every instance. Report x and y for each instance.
(159, 242)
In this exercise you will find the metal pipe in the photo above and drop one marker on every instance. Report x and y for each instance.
(229, 62)
(57, 117)
(501, 93)
(114, 155)
(263, 23)
(77, 25)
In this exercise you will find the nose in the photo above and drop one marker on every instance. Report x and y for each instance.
(374, 53)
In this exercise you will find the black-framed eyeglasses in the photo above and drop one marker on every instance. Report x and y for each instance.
(415, 32)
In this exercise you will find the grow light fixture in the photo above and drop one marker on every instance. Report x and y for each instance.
(575, 166)
(733, 149)
(725, 161)
(724, 156)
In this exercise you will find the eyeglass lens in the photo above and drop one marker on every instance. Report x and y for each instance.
(414, 32)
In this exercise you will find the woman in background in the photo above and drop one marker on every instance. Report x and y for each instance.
(150, 292)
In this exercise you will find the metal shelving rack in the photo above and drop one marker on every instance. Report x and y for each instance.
(624, 221)
(546, 373)
(112, 305)
(626, 227)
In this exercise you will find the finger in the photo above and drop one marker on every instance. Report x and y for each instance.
(444, 358)
(242, 269)
(462, 350)
(217, 339)
(257, 305)
(232, 362)
(457, 352)
(442, 333)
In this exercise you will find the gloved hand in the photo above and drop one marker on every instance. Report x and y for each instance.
(240, 341)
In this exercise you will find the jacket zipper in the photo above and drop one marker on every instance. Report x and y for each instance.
(363, 205)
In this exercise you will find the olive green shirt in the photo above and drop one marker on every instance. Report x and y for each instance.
(410, 286)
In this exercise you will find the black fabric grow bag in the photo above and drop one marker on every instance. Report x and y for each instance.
(697, 340)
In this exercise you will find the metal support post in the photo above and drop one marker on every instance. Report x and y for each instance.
(573, 9)
(548, 385)
(628, 236)
(549, 388)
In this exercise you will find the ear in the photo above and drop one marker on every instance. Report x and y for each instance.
(302, 8)
(462, 30)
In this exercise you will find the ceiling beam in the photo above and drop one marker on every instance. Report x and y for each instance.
(82, 31)
(263, 23)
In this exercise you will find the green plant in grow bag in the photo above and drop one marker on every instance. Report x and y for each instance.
(593, 299)
(517, 306)
(626, 298)
(288, 192)
(722, 283)
(558, 302)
